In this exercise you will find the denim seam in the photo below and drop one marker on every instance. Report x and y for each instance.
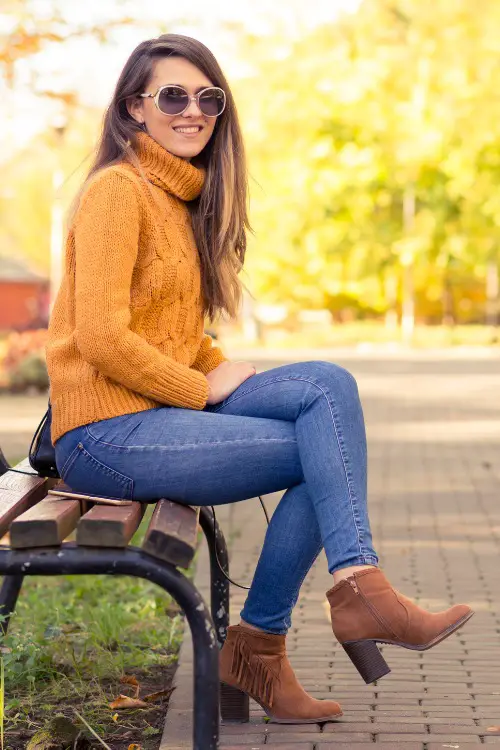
(113, 473)
(71, 457)
(345, 462)
(190, 445)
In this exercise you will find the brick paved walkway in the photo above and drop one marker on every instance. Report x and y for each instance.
(433, 425)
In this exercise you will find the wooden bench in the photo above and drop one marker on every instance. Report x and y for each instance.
(44, 532)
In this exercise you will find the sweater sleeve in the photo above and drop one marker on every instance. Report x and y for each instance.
(208, 357)
(106, 232)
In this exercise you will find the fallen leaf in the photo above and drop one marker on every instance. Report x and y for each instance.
(131, 680)
(115, 717)
(133, 746)
(124, 701)
(160, 694)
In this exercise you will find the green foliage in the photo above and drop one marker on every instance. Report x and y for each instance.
(376, 140)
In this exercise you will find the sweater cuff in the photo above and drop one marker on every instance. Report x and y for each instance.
(210, 360)
(181, 386)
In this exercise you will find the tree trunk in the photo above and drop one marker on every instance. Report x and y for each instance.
(448, 312)
(492, 290)
(391, 298)
(408, 303)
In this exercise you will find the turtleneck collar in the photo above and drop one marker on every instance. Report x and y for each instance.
(170, 172)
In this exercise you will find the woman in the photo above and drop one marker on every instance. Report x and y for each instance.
(143, 406)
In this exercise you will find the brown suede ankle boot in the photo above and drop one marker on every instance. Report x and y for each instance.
(366, 610)
(256, 663)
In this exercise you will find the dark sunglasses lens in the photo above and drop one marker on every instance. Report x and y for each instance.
(172, 100)
(212, 102)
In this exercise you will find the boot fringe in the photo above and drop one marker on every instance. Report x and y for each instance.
(251, 672)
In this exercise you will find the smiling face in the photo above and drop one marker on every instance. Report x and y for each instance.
(184, 135)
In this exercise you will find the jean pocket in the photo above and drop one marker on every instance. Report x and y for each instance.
(84, 473)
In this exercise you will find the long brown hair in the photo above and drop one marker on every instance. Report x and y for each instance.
(219, 215)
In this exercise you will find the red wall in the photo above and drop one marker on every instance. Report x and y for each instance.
(23, 304)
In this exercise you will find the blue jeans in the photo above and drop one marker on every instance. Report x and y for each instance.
(298, 427)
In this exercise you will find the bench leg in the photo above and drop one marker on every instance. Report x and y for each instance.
(4, 464)
(219, 586)
(234, 703)
(131, 561)
(11, 586)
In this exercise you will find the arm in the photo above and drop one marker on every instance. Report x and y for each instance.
(106, 246)
(208, 357)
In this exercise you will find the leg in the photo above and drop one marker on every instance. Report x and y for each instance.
(276, 585)
(323, 401)
(293, 424)
(331, 440)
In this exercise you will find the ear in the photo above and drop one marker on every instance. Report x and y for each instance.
(134, 106)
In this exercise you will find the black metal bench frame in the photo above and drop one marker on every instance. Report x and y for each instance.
(208, 630)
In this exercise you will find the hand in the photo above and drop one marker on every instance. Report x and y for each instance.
(226, 378)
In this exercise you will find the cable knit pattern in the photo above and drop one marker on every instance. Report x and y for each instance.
(126, 330)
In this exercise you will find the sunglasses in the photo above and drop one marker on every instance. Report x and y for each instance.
(174, 100)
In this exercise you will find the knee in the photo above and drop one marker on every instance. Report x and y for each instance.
(331, 374)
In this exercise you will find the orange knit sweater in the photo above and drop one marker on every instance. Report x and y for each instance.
(126, 330)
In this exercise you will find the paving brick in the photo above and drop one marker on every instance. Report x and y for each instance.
(455, 729)
(373, 727)
(428, 738)
(254, 726)
(366, 746)
(312, 729)
(450, 714)
(243, 739)
(276, 739)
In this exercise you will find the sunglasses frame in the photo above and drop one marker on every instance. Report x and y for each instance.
(193, 98)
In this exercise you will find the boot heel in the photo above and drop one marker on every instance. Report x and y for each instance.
(234, 704)
(367, 659)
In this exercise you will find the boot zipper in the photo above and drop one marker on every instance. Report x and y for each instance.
(381, 621)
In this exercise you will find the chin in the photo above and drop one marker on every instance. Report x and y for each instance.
(187, 150)
(186, 153)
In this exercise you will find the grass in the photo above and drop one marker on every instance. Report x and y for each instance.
(71, 640)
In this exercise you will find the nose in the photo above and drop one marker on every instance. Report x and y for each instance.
(193, 109)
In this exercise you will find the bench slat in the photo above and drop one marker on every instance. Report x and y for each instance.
(172, 533)
(18, 492)
(109, 526)
(46, 524)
